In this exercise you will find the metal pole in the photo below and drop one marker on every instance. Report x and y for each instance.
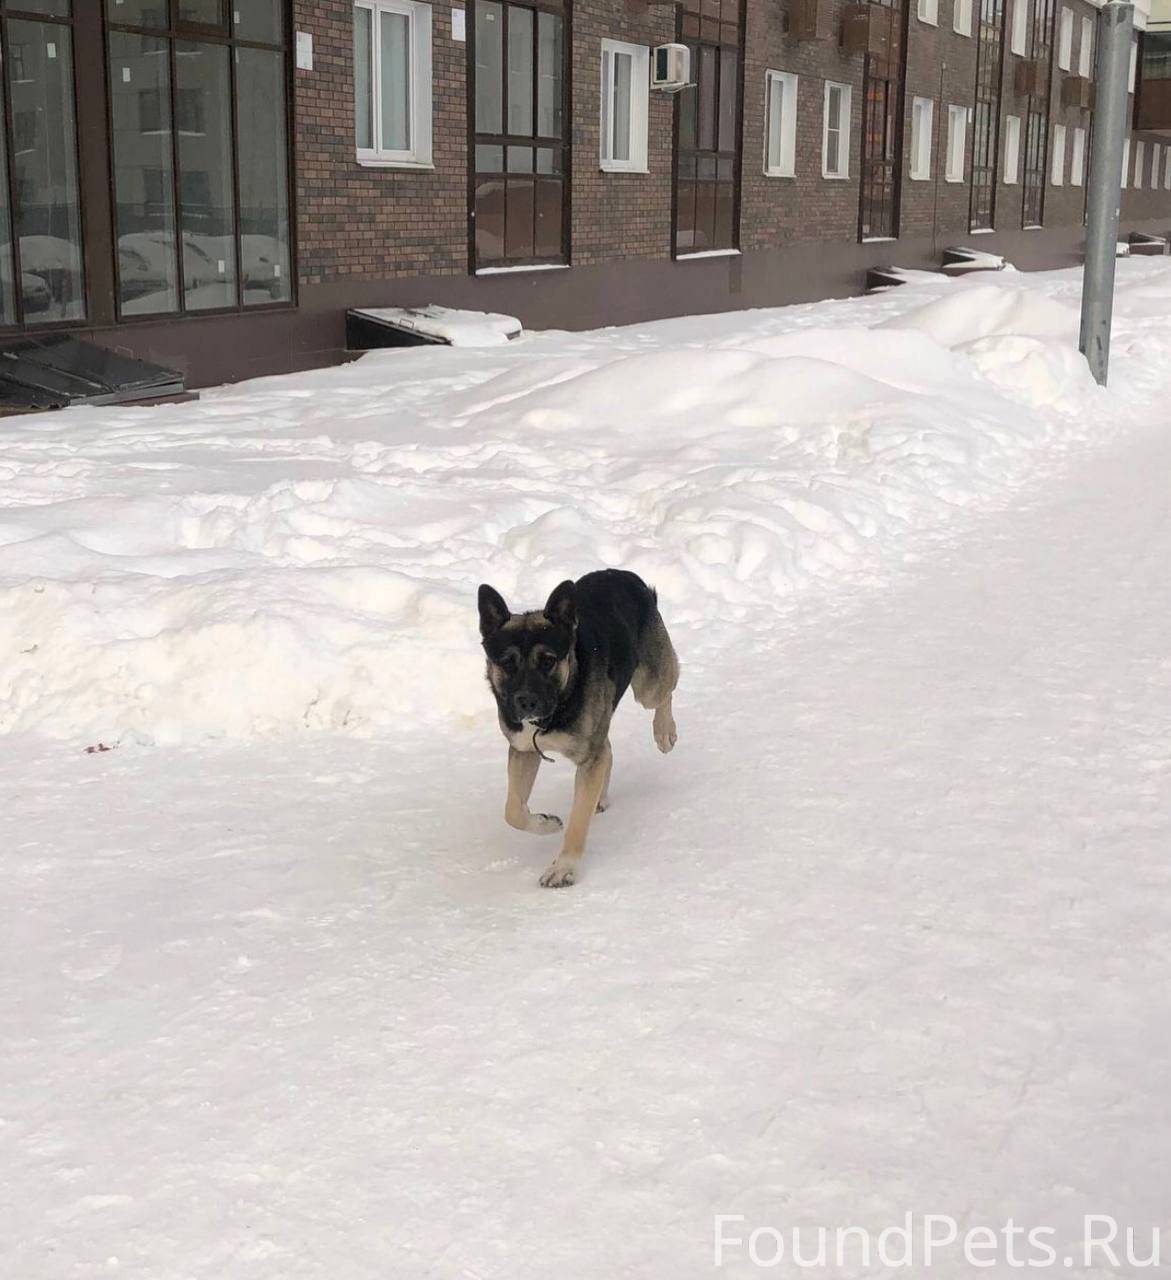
(1115, 36)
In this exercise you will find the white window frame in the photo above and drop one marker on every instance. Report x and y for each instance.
(1085, 56)
(928, 12)
(1139, 156)
(1156, 158)
(1167, 169)
(844, 130)
(1125, 163)
(1077, 159)
(1132, 75)
(1065, 40)
(957, 143)
(418, 154)
(961, 17)
(1019, 37)
(1057, 160)
(640, 79)
(922, 138)
(787, 82)
(1012, 150)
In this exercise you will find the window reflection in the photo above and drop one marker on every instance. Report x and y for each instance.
(44, 195)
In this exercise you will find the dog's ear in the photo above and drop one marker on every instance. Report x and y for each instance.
(561, 608)
(493, 611)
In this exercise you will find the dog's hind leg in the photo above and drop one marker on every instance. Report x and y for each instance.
(522, 773)
(655, 678)
(587, 791)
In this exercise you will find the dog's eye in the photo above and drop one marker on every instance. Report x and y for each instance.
(510, 662)
(546, 662)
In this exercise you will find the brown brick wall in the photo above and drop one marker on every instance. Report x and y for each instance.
(365, 224)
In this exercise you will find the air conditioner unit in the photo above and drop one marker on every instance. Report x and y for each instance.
(670, 67)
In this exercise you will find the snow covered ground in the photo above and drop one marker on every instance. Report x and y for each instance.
(886, 934)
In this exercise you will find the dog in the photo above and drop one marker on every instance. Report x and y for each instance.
(557, 674)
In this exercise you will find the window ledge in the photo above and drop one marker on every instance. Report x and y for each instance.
(927, 22)
(954, 181)
(919, 177)
(835, 177)
(418, 165)
(708, 253)
(523, 266)
(622, 168)
(778, 173)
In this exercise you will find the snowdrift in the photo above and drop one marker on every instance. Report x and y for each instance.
(302, 553)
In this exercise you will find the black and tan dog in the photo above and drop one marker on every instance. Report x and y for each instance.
(558, 673)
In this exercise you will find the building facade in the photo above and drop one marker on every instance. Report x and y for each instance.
(211, 185)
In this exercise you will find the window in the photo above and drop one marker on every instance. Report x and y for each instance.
(1167, 169)
(518, 138)
(1057, 163)
(626, 70)
(1138, 164)
(1085, 57)
(780, 127)
(1020, 27)
(961, 17)
(928, 11)
(835, 139)
(922, 129)
(1065, 41)
(1126, 163)
(1133, 66)
(1156, 156)
(708, 161)
(1012, 150)
(1077, 160)
(41, 275)
(392, 82)
(200, 159)
(957, 143)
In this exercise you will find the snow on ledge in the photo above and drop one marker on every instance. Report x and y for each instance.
(448, 324)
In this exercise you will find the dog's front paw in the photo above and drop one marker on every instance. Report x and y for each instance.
(544, 824)
(561, 874)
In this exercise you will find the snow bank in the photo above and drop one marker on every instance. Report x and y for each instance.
(302, 553)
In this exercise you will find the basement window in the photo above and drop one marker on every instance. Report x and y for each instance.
(392, 83)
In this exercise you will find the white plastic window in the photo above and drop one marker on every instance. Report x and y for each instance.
(392, 82)
(922, 128)
(1012, 150)
(957, 143)
(626, 70)
(1057, 161)
(835, 139)
(780, 127)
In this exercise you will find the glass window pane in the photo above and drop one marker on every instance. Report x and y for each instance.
(520, 70)
(261, 126)
(7, 271)
(144, 185)
(363, 79)
(138, 13)
(55, 8)
(728, 74)
(395, 30)
(707, 97)
(548, 75)
(44, 168)
(772, 125)
(620, 139)
(520, 159)
(203, 95)
(262, 20)
(489, 69)
(208, 13)
(489, 159)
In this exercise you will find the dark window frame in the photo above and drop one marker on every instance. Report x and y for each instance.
(1035, 178)
(880, 171)
(174, 32)
(991, 49)
(699, 29)
(534, 141)
(11, 11)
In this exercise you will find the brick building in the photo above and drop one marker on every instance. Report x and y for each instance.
(212, 185)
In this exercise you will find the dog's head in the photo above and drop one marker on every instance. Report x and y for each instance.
(530, 655)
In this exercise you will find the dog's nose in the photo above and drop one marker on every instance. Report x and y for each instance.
(525, 705)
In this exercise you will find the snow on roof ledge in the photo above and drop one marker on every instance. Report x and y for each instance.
(448, 324)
